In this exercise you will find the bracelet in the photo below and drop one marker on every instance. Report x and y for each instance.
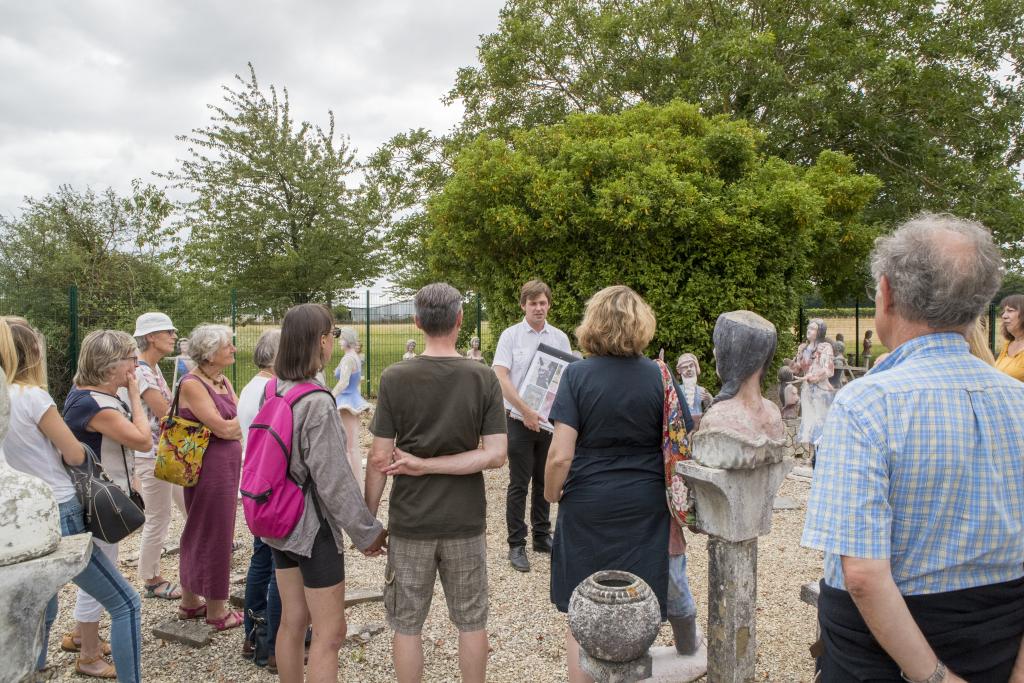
(937, 676)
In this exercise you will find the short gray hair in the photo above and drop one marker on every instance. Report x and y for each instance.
(206, 340)
(437, 308)
(266, 349)
(349, 337)
(142, 343)
(942, 270)
(101, 352)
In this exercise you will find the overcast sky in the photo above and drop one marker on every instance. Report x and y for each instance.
(93, 92)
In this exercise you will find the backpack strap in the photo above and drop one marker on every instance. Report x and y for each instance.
(300, 391)
(269, 389)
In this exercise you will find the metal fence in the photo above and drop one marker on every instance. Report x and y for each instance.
(383, 322)
(855, 318)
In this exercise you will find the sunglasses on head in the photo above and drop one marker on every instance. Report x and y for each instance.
(336, 332)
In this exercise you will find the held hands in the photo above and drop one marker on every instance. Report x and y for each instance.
(379, 546)
(406, 463)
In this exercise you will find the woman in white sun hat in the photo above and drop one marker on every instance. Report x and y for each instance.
(156, 335)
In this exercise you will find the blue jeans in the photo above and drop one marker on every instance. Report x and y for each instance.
(680, 600)
(104, 582)
(261, 590)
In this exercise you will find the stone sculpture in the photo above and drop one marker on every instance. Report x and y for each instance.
(615, 617)
(34, 560)
(738, 464)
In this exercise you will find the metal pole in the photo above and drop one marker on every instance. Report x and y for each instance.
(856, 327)
(234, 333)
(800, 324)
(479, 319)
(367, 342)
(992, 327)
(73, 325)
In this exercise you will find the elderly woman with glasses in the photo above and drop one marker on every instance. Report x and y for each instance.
(114, 429)
(205, 562)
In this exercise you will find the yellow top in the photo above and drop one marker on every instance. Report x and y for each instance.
(1011, 365)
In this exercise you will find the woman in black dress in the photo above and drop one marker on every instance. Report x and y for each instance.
(605, 466)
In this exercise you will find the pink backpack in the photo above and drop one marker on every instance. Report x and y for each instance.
(272, 502)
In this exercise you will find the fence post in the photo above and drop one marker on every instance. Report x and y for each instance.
(479, 323)
(234, 333)
(73, 326)
(992, 327)
(856, 328)
(368, 342)
(800, 324)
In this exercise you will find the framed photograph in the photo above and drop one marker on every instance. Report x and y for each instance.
(540, 384)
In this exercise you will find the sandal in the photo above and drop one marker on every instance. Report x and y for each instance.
(163, 589)
(232, 619)
(185, 613)
(109, 672)
(69, 643)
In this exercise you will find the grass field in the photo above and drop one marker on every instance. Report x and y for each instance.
(385, 346)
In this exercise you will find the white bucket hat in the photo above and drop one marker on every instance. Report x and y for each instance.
(152, 322)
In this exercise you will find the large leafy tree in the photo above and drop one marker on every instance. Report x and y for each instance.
(270, 212)
(110, 247)
(925, 95)
(685, 209)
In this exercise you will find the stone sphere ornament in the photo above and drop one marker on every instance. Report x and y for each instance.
(614, 616)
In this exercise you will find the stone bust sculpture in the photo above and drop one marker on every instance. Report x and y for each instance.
(742, 429)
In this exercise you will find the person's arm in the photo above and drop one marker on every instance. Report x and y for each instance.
(132, 433)
(346, 368)
(381, 452)
(57, 431)
(874, 591)
(563, 446)
(490, 455)
(156, 403)
(530, 416)
(197, 399)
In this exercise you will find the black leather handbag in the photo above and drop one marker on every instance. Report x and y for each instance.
(110, 513)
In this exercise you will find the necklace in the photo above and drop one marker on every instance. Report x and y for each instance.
(219, 383)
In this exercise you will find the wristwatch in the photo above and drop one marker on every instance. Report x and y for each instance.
(937, 676)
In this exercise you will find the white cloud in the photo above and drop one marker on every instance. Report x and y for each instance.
(95, 91)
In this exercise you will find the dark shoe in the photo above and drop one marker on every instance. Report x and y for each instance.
(248, 651)
(542, 544)
(517, 556)
(686, 634)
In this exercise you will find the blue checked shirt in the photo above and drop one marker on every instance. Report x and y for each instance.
(922, 463)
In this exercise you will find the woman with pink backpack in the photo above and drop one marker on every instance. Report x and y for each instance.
(305, 497)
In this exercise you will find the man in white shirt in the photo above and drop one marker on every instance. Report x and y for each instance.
(527, 442)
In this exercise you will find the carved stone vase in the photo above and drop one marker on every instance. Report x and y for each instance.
(614, 616)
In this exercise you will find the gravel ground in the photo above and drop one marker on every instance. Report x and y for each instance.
(526, 632)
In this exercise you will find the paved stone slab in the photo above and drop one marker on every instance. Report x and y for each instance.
(237, 579)
(191, 632)
(785, 503)
(358, 596)
(668, 666)
(809, 593)
(803, 471)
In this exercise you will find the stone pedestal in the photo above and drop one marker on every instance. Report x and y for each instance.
(668, 666)
(733, 507)
(603, 671)
(25, 588)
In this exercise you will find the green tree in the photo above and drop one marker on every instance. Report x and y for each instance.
(927, 96)
(271, 212)
(684, 209)
(111, 247)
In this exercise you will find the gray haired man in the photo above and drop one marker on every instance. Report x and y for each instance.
(918, 495)
(433, 411)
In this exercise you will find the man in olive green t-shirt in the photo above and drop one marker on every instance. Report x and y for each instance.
(432, 413)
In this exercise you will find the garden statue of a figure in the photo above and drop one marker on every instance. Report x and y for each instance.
(814, 360)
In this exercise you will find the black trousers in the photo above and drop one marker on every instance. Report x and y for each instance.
(527, 455)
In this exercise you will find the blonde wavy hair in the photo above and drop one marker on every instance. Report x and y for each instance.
(22, 352)
(616, 322)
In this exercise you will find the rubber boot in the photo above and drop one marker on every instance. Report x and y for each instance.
(686, 634)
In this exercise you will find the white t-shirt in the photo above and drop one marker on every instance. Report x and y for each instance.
(27, 449)
(249, 404)
(517, 345)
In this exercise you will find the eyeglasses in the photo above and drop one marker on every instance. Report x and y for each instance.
(336, 332)
(870, 291)
(133, 359)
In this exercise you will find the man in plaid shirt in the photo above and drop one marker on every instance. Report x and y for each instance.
(918, 495)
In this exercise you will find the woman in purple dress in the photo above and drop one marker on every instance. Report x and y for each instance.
(205, 564)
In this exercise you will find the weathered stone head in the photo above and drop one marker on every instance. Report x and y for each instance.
(744, 348)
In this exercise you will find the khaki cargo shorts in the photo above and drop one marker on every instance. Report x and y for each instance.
(412, 568)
